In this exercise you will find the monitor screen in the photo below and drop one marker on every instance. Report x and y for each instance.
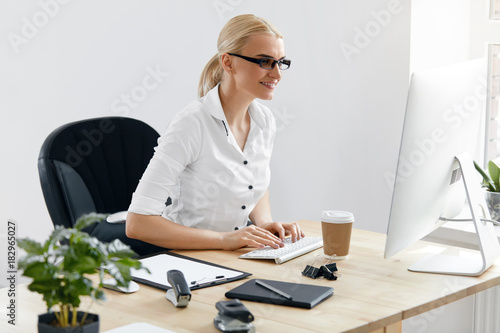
(444, 117)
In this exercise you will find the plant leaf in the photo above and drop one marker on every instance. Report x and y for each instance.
(57, 235)
(98, 294)
(487, 182)
(76, 285)
(89, 219)
(494, 171)
(41, 271)
(120, 272)
(29, 259)
(30, 246)
(82, 264)
(119, 250)
(44, 286)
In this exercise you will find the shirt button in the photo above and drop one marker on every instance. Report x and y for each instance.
(245, 162)
(250, 187)
(243, 207)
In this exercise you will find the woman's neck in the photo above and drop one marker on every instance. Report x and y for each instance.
(235, 106)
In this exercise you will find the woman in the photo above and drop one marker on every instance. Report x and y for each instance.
(210, 171)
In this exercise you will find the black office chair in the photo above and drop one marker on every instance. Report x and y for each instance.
(94, 165)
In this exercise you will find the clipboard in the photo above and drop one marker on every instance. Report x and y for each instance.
(198, 273)
(304, 296)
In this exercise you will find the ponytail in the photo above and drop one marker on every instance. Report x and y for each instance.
(211, 76)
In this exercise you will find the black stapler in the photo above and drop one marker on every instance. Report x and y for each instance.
(180, 294)
(233, 317)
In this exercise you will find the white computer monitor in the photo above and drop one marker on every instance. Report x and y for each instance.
(435, 177)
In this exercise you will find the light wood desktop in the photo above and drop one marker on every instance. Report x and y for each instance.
(373, 295)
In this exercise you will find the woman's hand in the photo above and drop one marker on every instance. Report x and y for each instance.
(283, 230)
(262, 213)
(252, 236)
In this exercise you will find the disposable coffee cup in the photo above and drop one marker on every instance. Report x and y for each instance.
(336, 227)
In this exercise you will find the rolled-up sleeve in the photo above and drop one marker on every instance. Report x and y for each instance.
(179, 146)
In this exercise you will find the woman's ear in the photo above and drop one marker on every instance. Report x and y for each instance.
(227, 63)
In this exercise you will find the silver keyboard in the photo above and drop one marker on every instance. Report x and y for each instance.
(288, 252)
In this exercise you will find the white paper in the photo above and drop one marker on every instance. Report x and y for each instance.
(139, 327)
(193, 271)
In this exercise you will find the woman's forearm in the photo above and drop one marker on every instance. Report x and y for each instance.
(162, 232)
(262, 211)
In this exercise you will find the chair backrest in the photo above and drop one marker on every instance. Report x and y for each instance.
(93, 165)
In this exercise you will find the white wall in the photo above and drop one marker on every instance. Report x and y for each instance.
(339, 109)
(483, 31)
(440, 31)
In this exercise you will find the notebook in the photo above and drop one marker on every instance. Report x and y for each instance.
(303, 295)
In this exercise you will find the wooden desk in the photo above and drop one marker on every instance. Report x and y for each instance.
(374, 294)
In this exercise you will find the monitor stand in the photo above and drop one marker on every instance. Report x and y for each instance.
(489, 247)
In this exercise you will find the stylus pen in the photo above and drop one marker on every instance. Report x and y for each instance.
(273, 289)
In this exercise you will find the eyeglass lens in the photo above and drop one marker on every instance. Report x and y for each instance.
(268, 63)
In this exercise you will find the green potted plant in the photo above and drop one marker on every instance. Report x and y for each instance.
(491, 184)
(60, 269)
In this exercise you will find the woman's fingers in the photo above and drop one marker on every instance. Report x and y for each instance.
(285, 229)
(293, 229)
(262, 237)
(250, 236)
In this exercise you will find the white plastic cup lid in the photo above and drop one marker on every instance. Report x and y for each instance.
(337, 216)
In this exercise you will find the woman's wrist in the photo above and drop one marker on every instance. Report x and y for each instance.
(262, 222)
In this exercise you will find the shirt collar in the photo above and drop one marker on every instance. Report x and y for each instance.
(212, 105)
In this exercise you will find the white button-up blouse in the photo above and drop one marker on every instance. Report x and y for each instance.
(199, 177)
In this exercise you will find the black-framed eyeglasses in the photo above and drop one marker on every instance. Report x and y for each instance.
(266, 62)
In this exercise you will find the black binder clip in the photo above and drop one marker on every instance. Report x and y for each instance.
(311, 271)
(233, 317)
(327, 271)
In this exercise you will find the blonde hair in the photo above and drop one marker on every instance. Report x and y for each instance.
(232, 39)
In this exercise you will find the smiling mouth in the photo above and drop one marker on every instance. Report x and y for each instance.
(269, 85)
